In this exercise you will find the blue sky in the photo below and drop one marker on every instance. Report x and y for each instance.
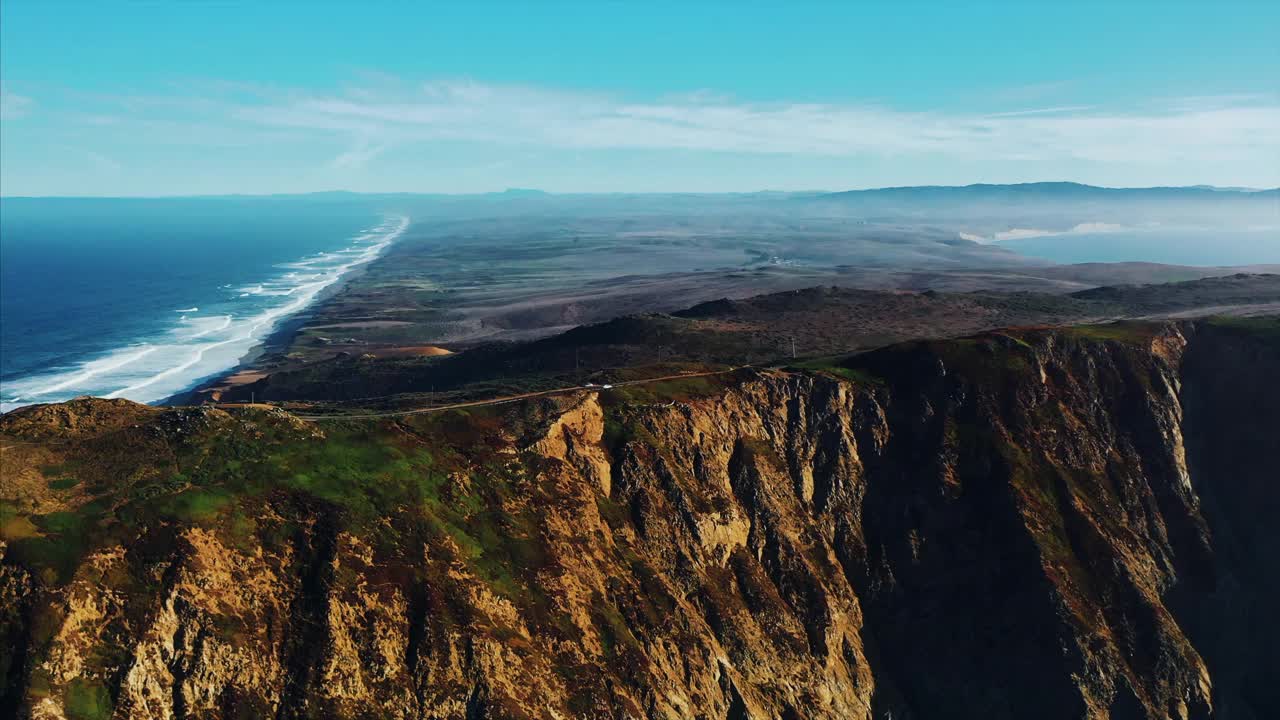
(192, 98)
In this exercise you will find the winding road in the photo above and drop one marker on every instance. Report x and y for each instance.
(496, 401)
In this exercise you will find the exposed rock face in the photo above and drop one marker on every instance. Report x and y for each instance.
(1073, 524)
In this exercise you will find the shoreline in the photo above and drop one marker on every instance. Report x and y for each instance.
(278, 339)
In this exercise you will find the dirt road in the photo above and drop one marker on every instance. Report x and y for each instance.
(510, 398)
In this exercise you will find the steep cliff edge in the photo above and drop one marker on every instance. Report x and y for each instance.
(1037, 523)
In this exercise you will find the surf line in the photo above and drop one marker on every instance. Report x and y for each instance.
(92, 370)
(270, 317)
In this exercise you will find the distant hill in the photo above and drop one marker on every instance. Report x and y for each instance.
(1048, 190)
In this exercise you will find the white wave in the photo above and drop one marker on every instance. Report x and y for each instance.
(208, 326)
(30, 388)
(187, 310)
(202, 346)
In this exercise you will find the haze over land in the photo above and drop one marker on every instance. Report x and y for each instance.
(173, 291)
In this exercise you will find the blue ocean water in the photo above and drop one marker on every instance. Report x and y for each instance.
(142, 299)
(1174, 246)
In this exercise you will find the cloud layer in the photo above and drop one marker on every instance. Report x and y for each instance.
(1232, 130)
(357, 131)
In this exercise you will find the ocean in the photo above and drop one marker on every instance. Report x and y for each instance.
(142, 299)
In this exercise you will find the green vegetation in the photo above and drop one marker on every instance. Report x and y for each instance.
(614, 515)
(198, 505)
(674, 390)
(994, 360)
(1267, 327)
(364, 477)
(87, 701)
(763, 450)
(399, 486)
(615, 633)
(1129, 332)
(14, 525)
(53, 544)
(1015, 339)
(836, 367)
(616, 434)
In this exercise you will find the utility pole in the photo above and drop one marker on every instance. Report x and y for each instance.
(793, 347)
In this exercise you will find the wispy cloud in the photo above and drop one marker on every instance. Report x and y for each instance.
(102, 162)
(1043, 111)
(1232, 129)
(358, 156)
(13, 105)
(1200, 139)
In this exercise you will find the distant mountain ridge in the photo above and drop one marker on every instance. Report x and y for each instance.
(1062, 189)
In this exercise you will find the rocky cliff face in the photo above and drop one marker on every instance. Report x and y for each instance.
(1069, 523)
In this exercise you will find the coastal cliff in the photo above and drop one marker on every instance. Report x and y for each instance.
(1066, 523)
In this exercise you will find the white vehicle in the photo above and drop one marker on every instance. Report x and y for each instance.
(606, 387)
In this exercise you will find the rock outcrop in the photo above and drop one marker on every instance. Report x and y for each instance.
(1071, 523)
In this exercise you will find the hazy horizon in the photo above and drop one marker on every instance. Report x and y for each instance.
(539, 191)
